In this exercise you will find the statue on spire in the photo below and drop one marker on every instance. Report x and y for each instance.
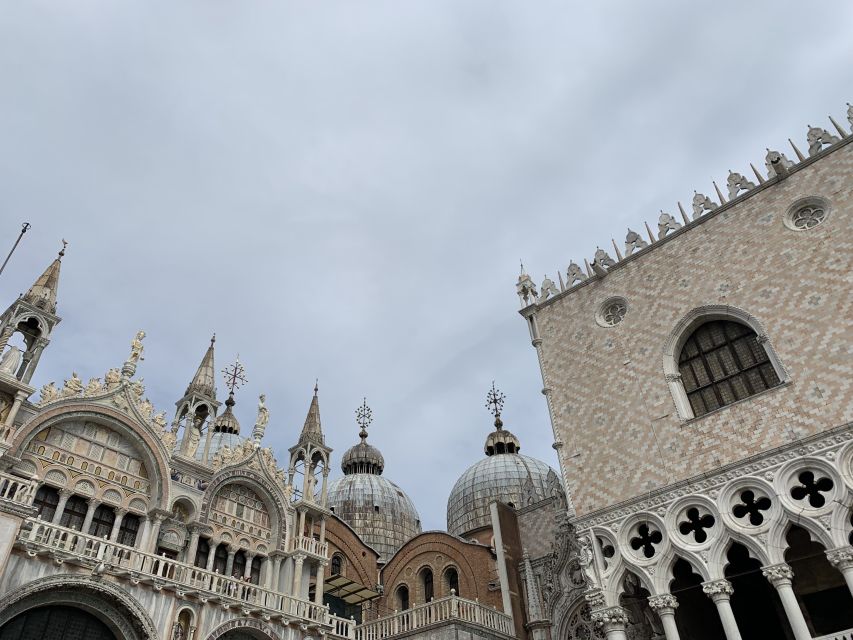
(136, 348)
(262, 420)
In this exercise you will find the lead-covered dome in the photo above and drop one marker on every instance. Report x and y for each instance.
(503, 476)
(379, 511)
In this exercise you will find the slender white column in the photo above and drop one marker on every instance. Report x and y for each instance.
(276, 574)
(780, 576)
(842, 559)
(155, 534)
(250, 558)
(120, 513)
(64, 494)
(720, 591)
(90, 513)
(321, 577)
(665, 604)
(211, 556)
(229, 565)
(192, 549)
(298, 559)
(613, 621)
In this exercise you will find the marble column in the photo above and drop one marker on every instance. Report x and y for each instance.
(275, 584)
(324, 492)
(322, 530)
(211, 557)
(120, 513)
(780, 576)
(90, 513)
(665, 604)
(20, 396)
(720, 591)
(298, 560)
(192, 548)
(142, 541)
(155, 534)
(229, 565)
(842, 559)
(321, 578)
(613, 621)
(247, 572)
(64, 494)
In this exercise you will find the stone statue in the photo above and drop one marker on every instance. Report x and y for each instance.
(73, 386)
(49, 393)
(575, 274)
(136, 348)
(146, 409)
(262, 420)
(137, 388)
(701, 204)
(586, 558)
(93, 387)
(547, 289)
(159, 421)
(194, 439)
(10, 361)
(178, 632)
(5, 407)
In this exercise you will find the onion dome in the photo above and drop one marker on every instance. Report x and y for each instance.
(379, 511)
(226, 431)
(503, 476)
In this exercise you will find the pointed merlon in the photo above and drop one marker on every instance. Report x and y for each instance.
(719, 193)
(838, 128)
(757, 175)
(588, 268)
(652, 238)
(560, 278)
(800, 156)
(683, 215)
(618, 253)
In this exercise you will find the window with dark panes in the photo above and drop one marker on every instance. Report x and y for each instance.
(202, 553)
(128, 530)
(46, 500)
(102, 521)
(74, 513)
(723, 362)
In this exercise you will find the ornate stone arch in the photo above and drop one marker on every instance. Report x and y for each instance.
(106, 601)
(255, 628)
(777, 545)
(151, 448)
(684, 329)
(271, 496)
(717, 560)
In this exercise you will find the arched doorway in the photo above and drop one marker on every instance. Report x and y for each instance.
(56, 622)
(696, 615)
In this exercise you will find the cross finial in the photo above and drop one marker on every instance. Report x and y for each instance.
(495, 403)
(64, 244)
(316, 386)
(212, 339)
(235, 375)
(363, 417)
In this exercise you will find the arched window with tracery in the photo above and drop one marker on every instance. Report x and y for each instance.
(721, 362)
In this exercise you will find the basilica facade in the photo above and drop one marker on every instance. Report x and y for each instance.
(699, 387)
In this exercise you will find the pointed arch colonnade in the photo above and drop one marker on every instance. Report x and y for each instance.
(762, 550)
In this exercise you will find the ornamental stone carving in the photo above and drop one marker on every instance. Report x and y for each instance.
(73, 387)
(603, 259)
(819, 138)
(612, 617)
(777, 163)
(663, 601)
(737, 183)
(49, 393)
(526, 289)
(666, 223)
(547, 289)
(702, 204)
(718, 588)
(778, 574)
(634, 242)
(841, 558)
(575, 274)
(136, 348)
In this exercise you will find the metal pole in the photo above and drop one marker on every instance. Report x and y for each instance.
(24, 228)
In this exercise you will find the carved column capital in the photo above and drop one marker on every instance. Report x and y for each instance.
(673, 377)
(718, 589)
(663, 603)
(841, 558)
(610, 619)
(778, 574)
(594, 598)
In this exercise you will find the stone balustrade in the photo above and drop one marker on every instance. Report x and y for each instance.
(449, 609)
(17, 490)
(838, 635)
(308, 545)
(37, 536)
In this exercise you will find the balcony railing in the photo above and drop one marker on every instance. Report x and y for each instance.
(17, 490)
(138, 566)
(449, 609)
(838, 635)
(308, 545)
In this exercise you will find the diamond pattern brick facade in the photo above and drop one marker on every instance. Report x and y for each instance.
(612, 407)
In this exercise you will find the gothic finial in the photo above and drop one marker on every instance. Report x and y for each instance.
(62, 250)
(316, 386)
(212, 339)
(495, 403)
(363, 418)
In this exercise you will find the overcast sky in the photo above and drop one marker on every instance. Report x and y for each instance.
(343, 190)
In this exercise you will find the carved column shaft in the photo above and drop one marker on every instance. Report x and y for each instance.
(192, 548)
(117, 524)
(298, 560)
(665, 604)
(780, 576)
(60, 507)
(321, 578)
(720, 591)
(90, 513)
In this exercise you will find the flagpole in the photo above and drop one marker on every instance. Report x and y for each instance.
(24, 228)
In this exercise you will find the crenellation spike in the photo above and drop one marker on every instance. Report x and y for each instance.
(652, 238)
(683, 215)
(618, 253)
(719, 193)
(588, 268)
(560, 278)
(838, 128)
(757, 175)
(800, 156)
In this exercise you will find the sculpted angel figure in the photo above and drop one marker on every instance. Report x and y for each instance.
(136, 348)
(262, 420)
(586, 558)
(73, 386)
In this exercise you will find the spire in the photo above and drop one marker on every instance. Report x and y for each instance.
(203, 382)
(312, 431)
(43, 293)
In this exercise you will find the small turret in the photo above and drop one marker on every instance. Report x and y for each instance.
(197, 407)
(310, 457)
